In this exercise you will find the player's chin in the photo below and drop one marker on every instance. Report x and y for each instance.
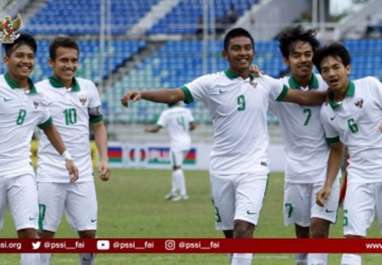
(24, 74)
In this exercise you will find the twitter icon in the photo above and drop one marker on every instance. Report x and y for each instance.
(36, 245)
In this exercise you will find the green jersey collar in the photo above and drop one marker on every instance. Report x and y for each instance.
(349, 93)
(313, 82)
(231, 74)
(14, 84)
(57, 83)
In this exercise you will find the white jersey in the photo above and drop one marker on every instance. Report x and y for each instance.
(305, 147)
(177, 121)
(20, 113)
(357, 123)
(238, 108)
(72, 110)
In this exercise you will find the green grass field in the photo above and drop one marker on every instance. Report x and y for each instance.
(132, 205)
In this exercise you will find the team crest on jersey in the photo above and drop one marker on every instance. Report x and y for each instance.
(83, 100)
(359, 103)
(35, 104)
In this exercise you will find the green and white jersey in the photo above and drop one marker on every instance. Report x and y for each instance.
(177, 121)
(72, 109)
(305, 147)
(356, 121)
(238, 108)
(20, 113)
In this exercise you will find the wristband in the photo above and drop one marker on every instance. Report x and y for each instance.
(66, 155)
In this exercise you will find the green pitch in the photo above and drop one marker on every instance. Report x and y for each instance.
(131, 204)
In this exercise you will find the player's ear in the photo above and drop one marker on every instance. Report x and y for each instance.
(51, 62)
(348, 69)
(224, 54)
(286, 60)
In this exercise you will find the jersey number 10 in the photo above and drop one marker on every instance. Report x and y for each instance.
(70, 116)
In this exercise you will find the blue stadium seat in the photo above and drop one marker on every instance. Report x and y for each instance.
(78, 17)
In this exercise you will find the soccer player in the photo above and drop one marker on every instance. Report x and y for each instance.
(352, 116)
(238, 105)
(178, 121)
(305, 147)
(74, 103)
(22, 108)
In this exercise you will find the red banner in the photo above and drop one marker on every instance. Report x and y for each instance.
(191, 245)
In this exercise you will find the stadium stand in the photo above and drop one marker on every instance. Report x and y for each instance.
(184, 18)
(78, 17)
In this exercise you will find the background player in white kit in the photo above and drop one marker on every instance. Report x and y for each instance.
(179, 122)
(21, 110)
(306, 149)
(238, 104)
(74, 103)
(352, 116)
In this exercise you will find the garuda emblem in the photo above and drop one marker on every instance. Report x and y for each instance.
(9, 29)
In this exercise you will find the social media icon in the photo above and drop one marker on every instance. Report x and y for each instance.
(36, 245)
(169, 245)
(103, 244)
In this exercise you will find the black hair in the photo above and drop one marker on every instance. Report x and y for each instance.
(23, 39)
(336, 50)
(290, 35)
(62, 41)
(237, 32)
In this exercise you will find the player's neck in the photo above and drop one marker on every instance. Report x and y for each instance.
(303, 80)
(340, 94)
(23, 82)
(243, 73)
(67, 84)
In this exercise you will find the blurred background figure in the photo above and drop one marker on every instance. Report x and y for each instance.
(179, 122)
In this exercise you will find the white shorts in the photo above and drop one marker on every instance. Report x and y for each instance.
(77, 200)
(300, 203)
(20, 195)
(177, 157)
(362, 202)
(237, 197)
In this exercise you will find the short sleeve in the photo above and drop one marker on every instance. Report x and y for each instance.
(377, 89)
(276, 88)
(46, 123)
(197, 89)
(94, 98)
(45, 119)
(94, 108)
(331, 135)
(162, 121)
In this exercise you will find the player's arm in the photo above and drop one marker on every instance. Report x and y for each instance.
(55, 139)
(308, 98)
(281, 92)
(153, 129)
(168, 96)
(100, 137)
(334, 165)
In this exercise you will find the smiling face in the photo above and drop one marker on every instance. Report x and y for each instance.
(335, 73)
(65, 64)
(240, 53)
(300, 59)
(20, 62)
